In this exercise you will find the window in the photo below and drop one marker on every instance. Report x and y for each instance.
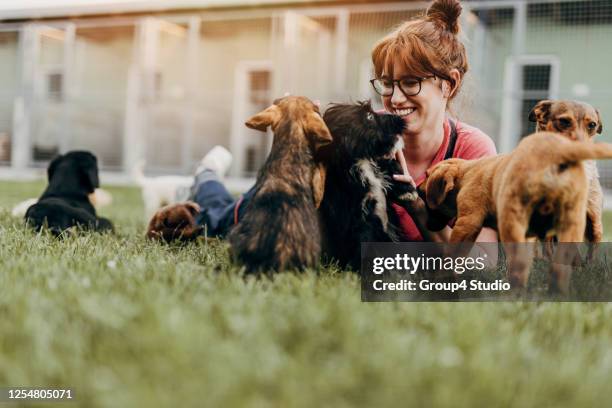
(54, 86)
(536, 86)
(250, 164)
(259, 86)
(527, 80)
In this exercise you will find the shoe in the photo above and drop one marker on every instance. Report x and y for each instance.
(218, 159)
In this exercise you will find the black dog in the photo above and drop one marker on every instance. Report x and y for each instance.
(65, 202)
(359, 187)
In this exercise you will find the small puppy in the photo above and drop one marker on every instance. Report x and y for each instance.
(175, 222)
(65, 203)
(359, 185)
(280, 229)
(165, 190)
(539, 189)
(576, 121)
(161, 191)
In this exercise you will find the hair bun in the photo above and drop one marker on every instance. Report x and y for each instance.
(446, 14)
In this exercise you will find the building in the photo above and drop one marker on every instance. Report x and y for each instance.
(132, 80)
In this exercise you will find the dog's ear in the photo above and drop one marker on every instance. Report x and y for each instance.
(268, 117)
(540, 112)
(89, 174)
(439, 183)
(317, 130)
(193, 207)
(599, 122)
(53, 166)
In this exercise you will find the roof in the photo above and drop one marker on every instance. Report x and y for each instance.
(33, 9)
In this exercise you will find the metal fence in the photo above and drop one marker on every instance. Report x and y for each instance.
(169, 87)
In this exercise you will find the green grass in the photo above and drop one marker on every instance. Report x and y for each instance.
(127, 322)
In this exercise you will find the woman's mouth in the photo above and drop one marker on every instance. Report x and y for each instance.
(404, 112)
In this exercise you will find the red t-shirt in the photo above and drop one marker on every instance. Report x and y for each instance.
(471, 143)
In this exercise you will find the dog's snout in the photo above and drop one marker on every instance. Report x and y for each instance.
(394, 123)
(581, 136)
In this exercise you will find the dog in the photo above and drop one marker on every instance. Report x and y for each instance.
(99, 198)
(581, 122)
(175, 222)
(539, 189)
(65, 202)
(359, 185)
(280, 229)
(161, 191)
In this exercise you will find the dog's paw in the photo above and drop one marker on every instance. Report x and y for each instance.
(409, 196)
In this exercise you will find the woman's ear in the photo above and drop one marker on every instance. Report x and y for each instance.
(453, 85)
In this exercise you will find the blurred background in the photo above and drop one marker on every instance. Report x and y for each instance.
(167, 80)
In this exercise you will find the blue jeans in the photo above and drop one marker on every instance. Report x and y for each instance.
(220, 211)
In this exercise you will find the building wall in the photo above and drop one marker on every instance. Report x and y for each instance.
(102, 58)
(186, 99)
(583, 51)
(9, 86)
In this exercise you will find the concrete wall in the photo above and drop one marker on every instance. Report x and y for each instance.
(9, 85)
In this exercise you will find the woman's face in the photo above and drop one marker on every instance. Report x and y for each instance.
(420, 112)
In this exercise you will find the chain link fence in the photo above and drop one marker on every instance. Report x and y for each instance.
(169, 87)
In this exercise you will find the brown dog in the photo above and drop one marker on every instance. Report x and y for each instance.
(539, 189)
(576, 121)
(175, 222)
(280, 228)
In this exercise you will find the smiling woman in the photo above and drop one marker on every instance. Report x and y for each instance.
(419, 68)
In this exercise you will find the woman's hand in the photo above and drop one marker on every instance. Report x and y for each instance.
(417, 208)
(405, 176)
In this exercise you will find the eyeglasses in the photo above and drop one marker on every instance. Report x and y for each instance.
(410, 86)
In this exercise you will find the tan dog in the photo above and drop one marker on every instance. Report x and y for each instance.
(539, 189)
(576, 121)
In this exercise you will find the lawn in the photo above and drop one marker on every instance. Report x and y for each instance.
(129, 323)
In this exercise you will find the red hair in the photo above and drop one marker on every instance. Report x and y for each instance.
(427, 45)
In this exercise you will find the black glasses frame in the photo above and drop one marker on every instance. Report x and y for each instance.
(397, 81)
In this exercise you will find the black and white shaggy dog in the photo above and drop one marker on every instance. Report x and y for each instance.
(359, 185)
(280, 228)
(65, 203)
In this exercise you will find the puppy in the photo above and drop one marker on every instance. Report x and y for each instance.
(161, 191)
(99, 198)
(359, 186)
(65, 203)
(576, 121)
(539, 189)
(280, 229)
(175, 222)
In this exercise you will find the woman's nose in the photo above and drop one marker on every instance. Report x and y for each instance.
(398, 96)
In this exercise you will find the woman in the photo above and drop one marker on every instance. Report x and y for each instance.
(419, 68)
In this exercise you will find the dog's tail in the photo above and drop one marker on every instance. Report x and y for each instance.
(138, 172)
(577, 151)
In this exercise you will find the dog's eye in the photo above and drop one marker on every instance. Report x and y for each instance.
(565, 123)
(370, 116)
(592, 125)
